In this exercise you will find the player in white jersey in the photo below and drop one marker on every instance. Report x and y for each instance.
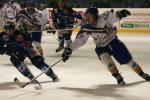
(30, 18)
(11, 9)
(107, 43)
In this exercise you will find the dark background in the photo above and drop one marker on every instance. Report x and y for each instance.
(97, 3)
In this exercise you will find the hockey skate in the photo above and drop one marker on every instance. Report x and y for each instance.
(55, 78)
(60, 48)
(119, 79)
(30, 77)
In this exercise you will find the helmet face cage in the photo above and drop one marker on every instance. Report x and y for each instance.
(93, 11)
(1, 5)
(9, 27)
(30, 3)
(30, 6)
(12, 1)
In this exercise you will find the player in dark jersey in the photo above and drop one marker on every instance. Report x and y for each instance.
(17, 45)
(63, 18)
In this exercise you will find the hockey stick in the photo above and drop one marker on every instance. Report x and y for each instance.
(16, 80)
(21, 85)
(71, 29)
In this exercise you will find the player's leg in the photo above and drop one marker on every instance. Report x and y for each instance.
(38, 61)
(22, 69)
(38, 46)
(106, 59)
(123, 56)
(36, 41)
(67, 37)
(61, 41)
(137, 69)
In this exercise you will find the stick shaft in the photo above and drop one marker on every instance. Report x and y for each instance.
(42, 72)
(71, 29)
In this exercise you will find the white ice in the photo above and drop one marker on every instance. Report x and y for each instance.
(83, 77)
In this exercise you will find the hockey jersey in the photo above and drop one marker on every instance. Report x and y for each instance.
(64, 18)
(11, 10)
(102, 33)
(29, 21)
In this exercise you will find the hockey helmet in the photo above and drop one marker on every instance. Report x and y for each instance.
(1, 5)
(11, 1)
(9, 26)
(93, 11)
(30, 3)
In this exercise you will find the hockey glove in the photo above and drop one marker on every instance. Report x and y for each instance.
(66, 54)
(123, 13)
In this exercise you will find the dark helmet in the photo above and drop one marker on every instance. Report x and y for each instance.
(12, 1)
(30, 3)
(9, 26)
(93, 11)
(69, 8)
(1, 5)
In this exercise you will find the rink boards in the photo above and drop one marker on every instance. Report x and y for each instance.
(138, 22)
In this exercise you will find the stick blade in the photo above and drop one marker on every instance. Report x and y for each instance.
(18, 82)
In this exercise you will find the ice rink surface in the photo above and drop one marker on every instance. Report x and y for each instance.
(83, 77)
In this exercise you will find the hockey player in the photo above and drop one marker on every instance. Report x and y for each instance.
(29, 18)
(11, 9)
(63, 18)
(106, 41)
(57, 14)
(16, 44)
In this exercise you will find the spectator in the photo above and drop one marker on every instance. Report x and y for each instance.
(129, 4)
(102, 4)
(76, 4)
(146, 4)
(52, 4)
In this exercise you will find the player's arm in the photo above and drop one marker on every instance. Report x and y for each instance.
(54, 15)
(80, 40)
(4, 10)
(19, 19)
(113, 17)
(18, 8)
